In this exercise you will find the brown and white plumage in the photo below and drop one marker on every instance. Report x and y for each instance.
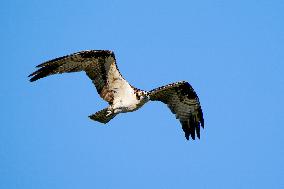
(100, 66)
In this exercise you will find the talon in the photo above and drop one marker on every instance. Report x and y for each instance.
(108, 113)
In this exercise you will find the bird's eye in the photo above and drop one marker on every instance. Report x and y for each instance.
(137, 96)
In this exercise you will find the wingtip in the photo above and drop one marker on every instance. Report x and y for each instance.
(39, 66)
(201, 122)
(191, 136)
(186, 136)
(31, 79)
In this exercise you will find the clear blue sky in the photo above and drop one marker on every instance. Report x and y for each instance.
(230, 51)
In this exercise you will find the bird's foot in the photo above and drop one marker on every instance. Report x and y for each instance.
(109, 112)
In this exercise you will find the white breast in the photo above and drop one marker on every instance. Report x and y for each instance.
(126, 99)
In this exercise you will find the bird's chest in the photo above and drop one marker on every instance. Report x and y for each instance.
(128, 103)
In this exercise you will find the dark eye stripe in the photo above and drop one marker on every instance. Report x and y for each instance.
(137, 96)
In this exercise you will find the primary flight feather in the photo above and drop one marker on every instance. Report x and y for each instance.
(100, 66)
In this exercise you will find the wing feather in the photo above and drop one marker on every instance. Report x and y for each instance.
(182, 101)
(99, 65)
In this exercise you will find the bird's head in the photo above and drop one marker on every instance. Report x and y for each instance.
(142, 95)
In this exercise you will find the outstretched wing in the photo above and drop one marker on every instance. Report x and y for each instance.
(99, 65)
(182, 101)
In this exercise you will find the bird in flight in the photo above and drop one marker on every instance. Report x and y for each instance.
(100, 66)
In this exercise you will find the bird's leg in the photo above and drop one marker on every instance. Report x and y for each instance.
(113, 110)
(109, 111)
(117, 110)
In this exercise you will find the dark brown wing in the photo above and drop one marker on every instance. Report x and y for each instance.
(182, 101)
(99, 65)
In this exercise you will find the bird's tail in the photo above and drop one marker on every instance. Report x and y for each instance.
(102, 117)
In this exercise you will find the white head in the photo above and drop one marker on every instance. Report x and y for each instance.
(142, 95)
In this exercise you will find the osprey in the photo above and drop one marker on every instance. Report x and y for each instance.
(100, 66)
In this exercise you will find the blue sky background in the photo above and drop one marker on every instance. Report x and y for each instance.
(230, 51)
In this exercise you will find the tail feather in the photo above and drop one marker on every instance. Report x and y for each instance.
(101, 116)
